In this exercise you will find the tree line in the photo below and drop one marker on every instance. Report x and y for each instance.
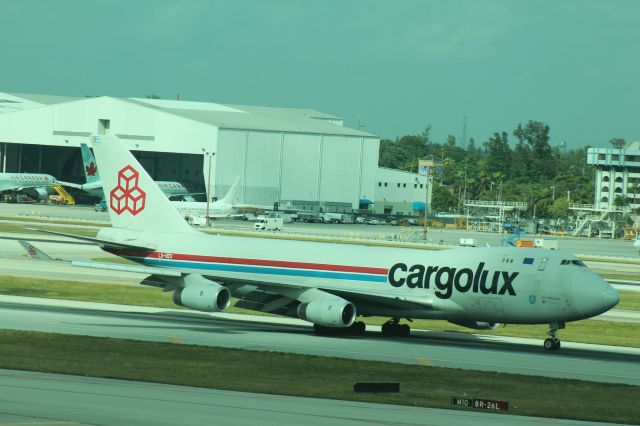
(517, 166)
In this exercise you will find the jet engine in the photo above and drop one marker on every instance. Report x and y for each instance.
(477, 325)
(202, 294)
(328, 312)
(41, 193)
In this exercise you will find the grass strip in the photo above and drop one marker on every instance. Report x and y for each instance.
(59, 221)
(588, 331)
(25, 229)
(312, 376)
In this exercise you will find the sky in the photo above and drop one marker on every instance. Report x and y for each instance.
(399, 66)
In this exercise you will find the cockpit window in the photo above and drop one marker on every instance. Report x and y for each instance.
(572, 262)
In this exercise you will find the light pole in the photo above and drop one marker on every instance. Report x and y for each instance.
(210, 156)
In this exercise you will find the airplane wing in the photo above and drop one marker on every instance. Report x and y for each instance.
(70, 184)
(282, 299)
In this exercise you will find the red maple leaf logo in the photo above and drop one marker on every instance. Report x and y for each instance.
(91, 169)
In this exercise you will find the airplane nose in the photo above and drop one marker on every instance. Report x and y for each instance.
(593, 296)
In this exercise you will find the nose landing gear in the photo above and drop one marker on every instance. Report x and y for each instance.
(552, 343)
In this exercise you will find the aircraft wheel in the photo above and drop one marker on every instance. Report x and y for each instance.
(321, 330)
(358, 328)
(404, 330)
(552, 344)
(386, 329)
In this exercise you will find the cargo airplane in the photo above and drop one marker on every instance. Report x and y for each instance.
(93, 184)
(37, 184)
(330, 285)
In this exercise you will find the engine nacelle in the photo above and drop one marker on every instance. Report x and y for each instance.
(41, 193)
(328, 312)
(202, 294)
(477, 325)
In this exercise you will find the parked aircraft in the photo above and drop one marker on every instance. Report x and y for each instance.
(328, 284)
(93, 183)
(224, 207)
(37, 184)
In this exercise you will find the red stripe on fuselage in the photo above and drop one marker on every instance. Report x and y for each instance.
(252, 262)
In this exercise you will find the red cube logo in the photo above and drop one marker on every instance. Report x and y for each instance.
(127, 195)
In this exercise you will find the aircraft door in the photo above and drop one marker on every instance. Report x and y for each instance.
(543, 263)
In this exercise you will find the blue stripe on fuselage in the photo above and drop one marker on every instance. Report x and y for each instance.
(263, 270)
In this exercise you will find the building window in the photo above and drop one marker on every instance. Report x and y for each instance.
(420, 186)
(618, 191)
(415, 185)
(385, 184)
(605, 189)
(398, 185)
(605, 199)
(615, 157)
(605, 179)
(600, 156)
(379, 183)
(404, 185)
(618, 179)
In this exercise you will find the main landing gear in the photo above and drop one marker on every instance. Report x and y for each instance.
(394, 328)
(552, 343)
(358, 328)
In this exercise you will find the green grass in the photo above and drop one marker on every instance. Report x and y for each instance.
(588, 331)
(26, 229)
(629, 300)
(312, 376)
(60, 221)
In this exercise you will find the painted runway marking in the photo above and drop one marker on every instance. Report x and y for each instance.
(424, 361)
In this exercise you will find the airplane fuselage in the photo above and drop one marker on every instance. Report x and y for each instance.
(481, 284)
(198, 208)
(18, 181)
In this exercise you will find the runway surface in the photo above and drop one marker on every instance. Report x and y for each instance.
(28, 398)
(443, 349)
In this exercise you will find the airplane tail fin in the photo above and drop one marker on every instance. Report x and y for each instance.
(230, 196)
(135, 201)
(91, 172)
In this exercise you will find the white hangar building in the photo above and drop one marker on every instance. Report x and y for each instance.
(292, 155)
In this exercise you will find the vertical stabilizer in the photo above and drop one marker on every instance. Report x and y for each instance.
(230, 197)
(91, 172)
(135, 201)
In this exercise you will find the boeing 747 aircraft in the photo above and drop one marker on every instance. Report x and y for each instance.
(37, 184)
(330, 285)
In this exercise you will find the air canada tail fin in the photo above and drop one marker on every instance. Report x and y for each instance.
(135, 201)
(230, 196)
(91, 172)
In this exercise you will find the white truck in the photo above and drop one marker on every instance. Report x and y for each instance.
(268, 223)
(336, 218)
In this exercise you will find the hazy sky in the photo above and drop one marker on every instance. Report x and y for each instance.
(399, 65)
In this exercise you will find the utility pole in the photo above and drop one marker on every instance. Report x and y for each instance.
(463, 143)
(210, 156)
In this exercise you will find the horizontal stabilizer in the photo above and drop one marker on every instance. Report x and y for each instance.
(69, 184)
